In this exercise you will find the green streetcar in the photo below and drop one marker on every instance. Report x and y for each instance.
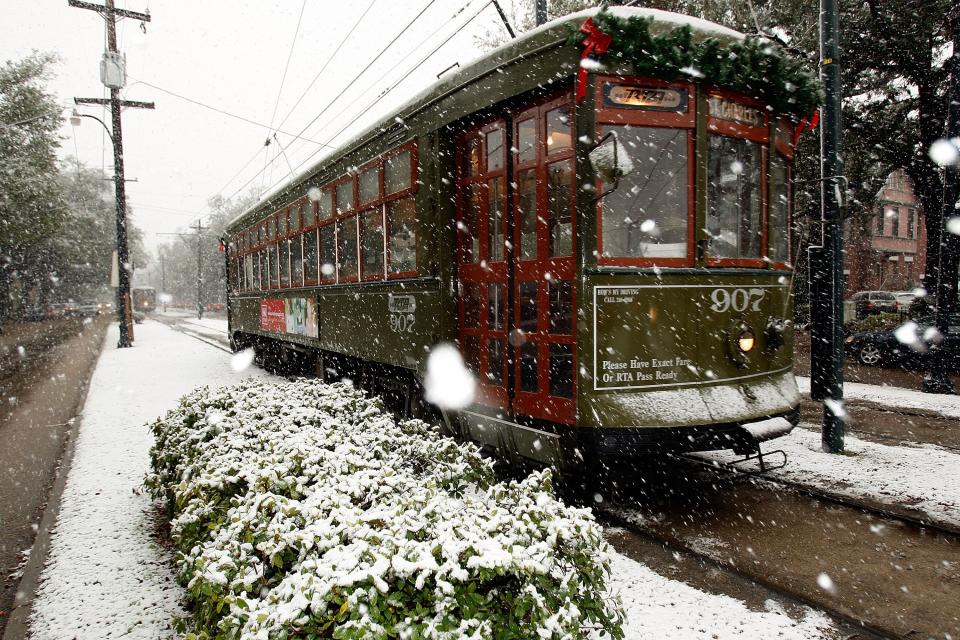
(605, 237)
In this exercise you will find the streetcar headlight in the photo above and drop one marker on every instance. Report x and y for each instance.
(746, 341)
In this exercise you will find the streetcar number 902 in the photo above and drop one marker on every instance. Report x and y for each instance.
(402, 322)
(736, 299)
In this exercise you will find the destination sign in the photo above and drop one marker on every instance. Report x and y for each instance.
(734, 111)
(649, 98)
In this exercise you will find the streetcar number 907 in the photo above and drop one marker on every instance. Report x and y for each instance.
(736, 299)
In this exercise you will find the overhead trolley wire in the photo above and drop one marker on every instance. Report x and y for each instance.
(392, 87)
(373, 84)
(302, 95)
(337, 96)
(286, 67)
(327, 63)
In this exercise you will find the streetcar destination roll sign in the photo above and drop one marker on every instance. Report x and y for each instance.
(640, 97)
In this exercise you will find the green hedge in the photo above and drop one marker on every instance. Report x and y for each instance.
(303, 510)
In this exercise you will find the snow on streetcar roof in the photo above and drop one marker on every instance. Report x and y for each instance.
(477, 69)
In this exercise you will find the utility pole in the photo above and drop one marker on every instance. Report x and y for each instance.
(163, 281)
(541, 12)
(937, 379)
(826, 261)
(200, 230)
(113, 75)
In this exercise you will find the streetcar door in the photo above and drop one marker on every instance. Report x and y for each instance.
(516, 261)
(482, 260)
(543, 341)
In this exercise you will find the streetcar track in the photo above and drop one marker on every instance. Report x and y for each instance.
(176, 326)
(833, 498)
(618, 519)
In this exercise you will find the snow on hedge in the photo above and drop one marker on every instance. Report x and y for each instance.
(303, 510)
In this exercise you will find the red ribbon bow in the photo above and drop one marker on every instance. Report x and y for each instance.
(802, 126)
(596, 43)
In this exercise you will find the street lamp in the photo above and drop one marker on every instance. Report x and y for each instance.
(124, 313)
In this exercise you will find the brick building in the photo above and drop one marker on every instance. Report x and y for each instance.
(887, 251)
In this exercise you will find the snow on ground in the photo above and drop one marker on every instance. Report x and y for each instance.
(105, 576)
(895, 397)
(923, 477)
(658, 607)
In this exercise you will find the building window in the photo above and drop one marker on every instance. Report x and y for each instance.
(894, 215)
(911, 222)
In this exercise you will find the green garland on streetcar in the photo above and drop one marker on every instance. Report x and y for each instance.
(751, 66)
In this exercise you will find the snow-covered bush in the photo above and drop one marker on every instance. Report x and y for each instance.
(303, 510)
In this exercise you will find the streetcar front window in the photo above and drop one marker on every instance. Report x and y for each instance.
(778, 236)
(733, 198)
(646, 216)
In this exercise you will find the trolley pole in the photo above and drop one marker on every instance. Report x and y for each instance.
(110, 13)
(826, 261)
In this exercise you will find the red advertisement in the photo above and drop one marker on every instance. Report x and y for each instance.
(272, 316)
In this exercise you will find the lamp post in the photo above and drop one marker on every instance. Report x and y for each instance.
(124, 312)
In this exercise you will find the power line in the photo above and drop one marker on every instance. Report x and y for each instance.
(327, 63)
(399, 62)
(302, 95)
(337, 96)
(222, 111)
(392, 87)
(286, 67)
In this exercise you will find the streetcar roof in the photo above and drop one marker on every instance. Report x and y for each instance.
(534, 41)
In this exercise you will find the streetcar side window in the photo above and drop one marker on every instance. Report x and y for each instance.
(325, 204)
(282, 224)
(248, 270)
(347, 263)
(296, 261)
(402, 230)
(274, 266)
(295, 217)
(345, 196)
(310, 266)
(328, 253)
(309, 214)
(733, 198)
(370, 185)
(284, 248)
(397, 172)
(371, 244)
(647, 215)
(778, 234)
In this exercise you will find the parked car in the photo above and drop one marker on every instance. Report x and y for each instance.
(88, 309)
(909, 344)
(904, 300)
(868, 303)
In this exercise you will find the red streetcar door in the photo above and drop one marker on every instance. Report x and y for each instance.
(482, 260)
(520, 343)
(543, 339)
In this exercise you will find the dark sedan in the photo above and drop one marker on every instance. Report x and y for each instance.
(909, 344)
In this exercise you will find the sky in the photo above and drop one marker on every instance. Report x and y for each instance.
(231, 55)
